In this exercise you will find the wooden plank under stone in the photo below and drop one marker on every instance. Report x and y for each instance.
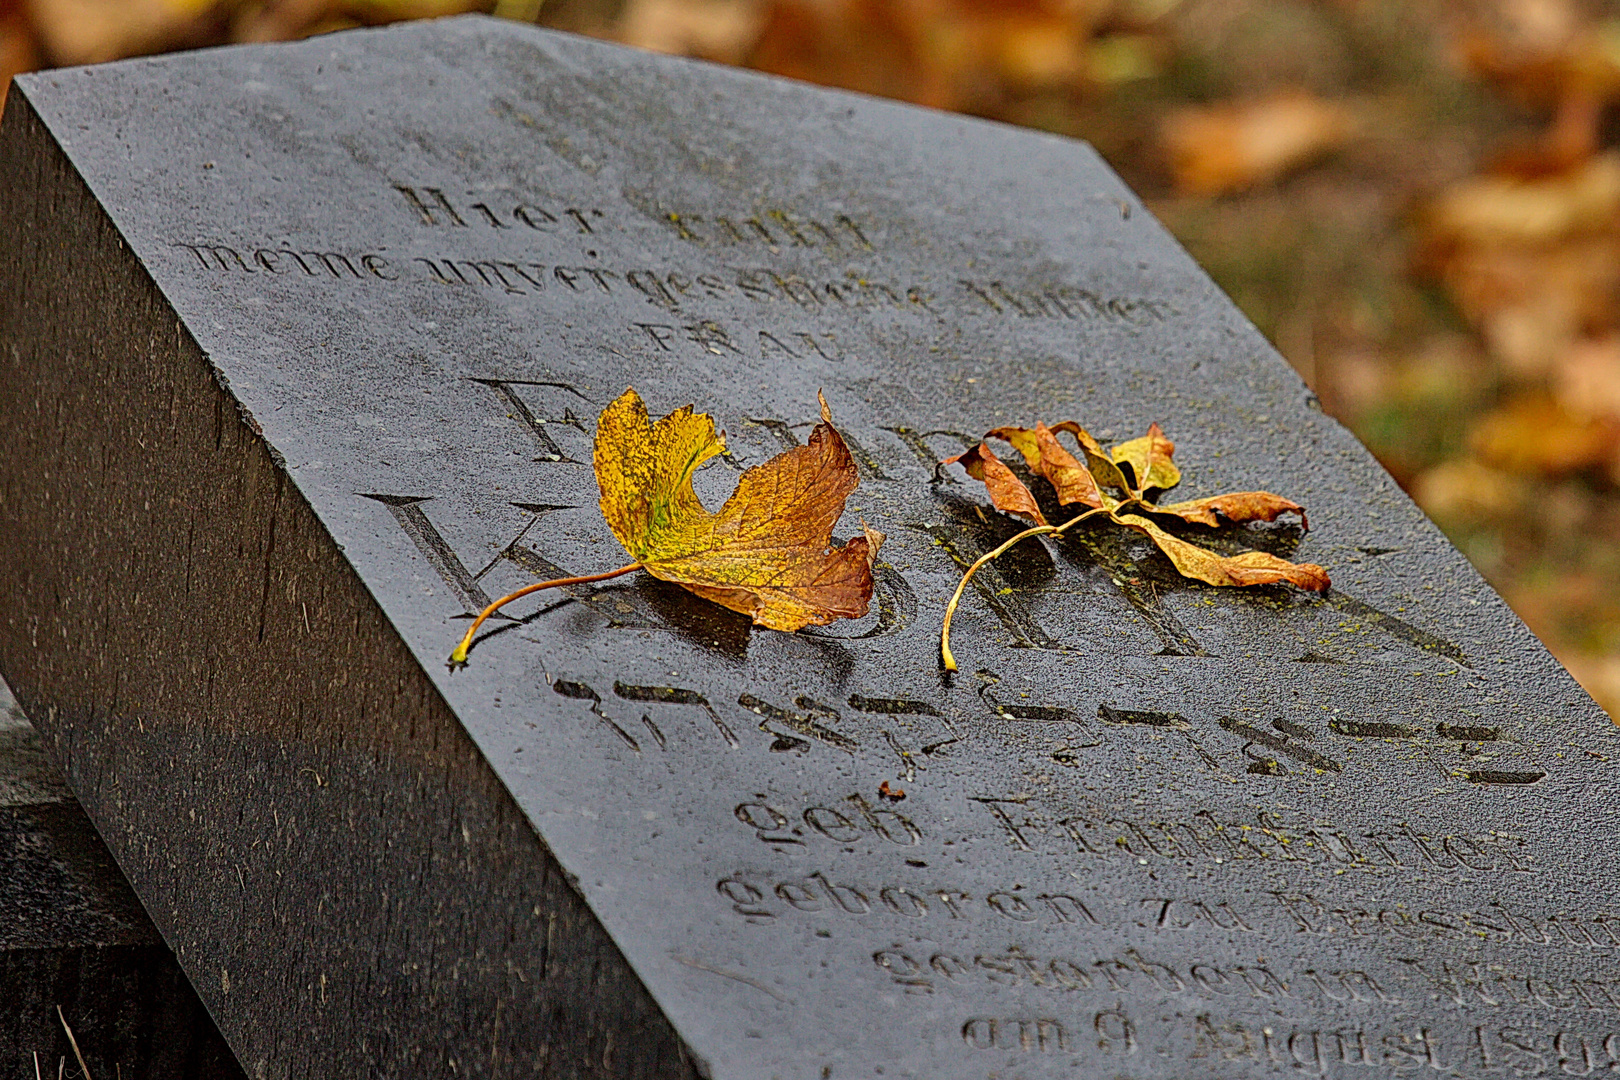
(73, 937)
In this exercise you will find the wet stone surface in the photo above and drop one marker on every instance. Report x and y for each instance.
(343, 315)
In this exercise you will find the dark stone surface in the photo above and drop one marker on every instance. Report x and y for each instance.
(73, 936)
(302, 349)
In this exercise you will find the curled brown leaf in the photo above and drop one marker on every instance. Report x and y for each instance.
(1008, 493)
(1104, 469)
(1048, 458)
(1237, 507)
(1249, 568)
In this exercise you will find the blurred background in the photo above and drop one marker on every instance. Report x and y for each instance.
(1418, 201)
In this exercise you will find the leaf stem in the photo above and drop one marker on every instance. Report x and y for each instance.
(956, 598)
(459, 657)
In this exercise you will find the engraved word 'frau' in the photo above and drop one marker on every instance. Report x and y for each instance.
(714, 338)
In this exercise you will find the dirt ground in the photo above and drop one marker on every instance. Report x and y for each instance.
(1418, 201)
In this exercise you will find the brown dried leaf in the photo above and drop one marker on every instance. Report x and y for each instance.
(1222, 148)
(93, 31)
(1103, 468)
(1464, 491)
(1007, 492)
(1236, 507)
(1488, 210)
(1135, 468)
(1249, 568)
(1533, 262)
(1049, 459)
(1534, 434)
(1588, 378)
(946, 54)
(718, 30)
(1151, 458)
(1561, 58)
(767, 553)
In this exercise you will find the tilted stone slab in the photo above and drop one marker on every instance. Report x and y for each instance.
(73, 937)
(303, 350)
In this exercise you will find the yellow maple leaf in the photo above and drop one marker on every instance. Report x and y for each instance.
(767, 552)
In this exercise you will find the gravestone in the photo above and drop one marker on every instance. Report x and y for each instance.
(73, 936)
(303, 349)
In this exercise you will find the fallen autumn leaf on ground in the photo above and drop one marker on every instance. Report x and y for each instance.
(1215, 149)
(1138, 470)
(767, 553)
